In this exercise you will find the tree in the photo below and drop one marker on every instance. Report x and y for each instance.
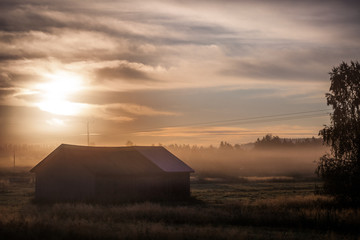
(225, 146)
(129, 143)
(340, 170)
(269, 141)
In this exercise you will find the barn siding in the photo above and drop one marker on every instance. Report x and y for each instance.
(139, 187)
(179, 184)
(58, 182)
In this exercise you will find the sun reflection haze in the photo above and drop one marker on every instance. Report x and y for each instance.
(57, 90)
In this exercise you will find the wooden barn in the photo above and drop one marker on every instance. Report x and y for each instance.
(72, 173)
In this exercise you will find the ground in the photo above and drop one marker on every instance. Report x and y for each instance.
(218, 210)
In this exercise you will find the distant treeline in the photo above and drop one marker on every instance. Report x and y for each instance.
(270, 141)
(267, 142)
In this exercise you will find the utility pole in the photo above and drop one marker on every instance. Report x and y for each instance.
(14, 160)
(88, 133)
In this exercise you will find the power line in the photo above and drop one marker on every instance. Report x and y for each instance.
(258, 119)
(255, 118)
(280, 119)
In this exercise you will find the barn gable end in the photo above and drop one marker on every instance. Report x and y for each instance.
(111, 173)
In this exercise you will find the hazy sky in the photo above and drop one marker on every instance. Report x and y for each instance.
(169, 71)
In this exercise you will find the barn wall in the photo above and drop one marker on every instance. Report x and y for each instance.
(178, 184)
(143, 187)
(59, 182)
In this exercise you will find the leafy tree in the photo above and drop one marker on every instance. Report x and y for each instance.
(340, 170)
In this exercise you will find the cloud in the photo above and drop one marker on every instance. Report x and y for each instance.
(288, 64)
(174, 33)
(125, 72)
(120, 119)
(135, 109)
(156, 62)
(275, 71)
(117, 112)
(4, 93)
(231, 134)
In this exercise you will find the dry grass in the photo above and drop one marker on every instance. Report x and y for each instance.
(283, 215)
(152, 221)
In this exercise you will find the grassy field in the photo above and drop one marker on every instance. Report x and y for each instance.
(218, 210)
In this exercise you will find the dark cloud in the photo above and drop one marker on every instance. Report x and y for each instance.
(16, 80)
(22, 55)
(53, 17)
(278, 71)
(18, 17)
(21, 20)
(4, 82)
(9, 56)
(6, 92)
(309, 64)
(122, 73)
(30, 15)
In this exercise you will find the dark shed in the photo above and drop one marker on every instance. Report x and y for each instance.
(111, 173)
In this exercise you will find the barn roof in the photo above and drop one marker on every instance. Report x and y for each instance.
(116, 160)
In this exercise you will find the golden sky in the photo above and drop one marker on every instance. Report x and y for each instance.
(196, 72)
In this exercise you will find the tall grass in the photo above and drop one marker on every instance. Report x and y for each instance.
(289, 216)
(280, 215)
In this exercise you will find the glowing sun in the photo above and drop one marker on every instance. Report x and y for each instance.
(57, 90)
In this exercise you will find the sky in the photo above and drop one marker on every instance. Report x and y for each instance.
(185, 72)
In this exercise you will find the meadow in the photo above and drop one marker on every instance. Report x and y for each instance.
(218, 209)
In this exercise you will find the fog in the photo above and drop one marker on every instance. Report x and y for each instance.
(252, 161)
(246, 163)
(25, 155)
(268, 158)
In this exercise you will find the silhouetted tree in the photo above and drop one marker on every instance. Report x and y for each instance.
(129, 143)
(237, 146)
(225, 146)
(268, 141)
(341, 170)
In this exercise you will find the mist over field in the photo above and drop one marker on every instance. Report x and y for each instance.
(26, 155)
(252, 162)
(270, 157)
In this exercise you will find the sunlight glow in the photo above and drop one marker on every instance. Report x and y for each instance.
(55, 122)
(56, 92)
